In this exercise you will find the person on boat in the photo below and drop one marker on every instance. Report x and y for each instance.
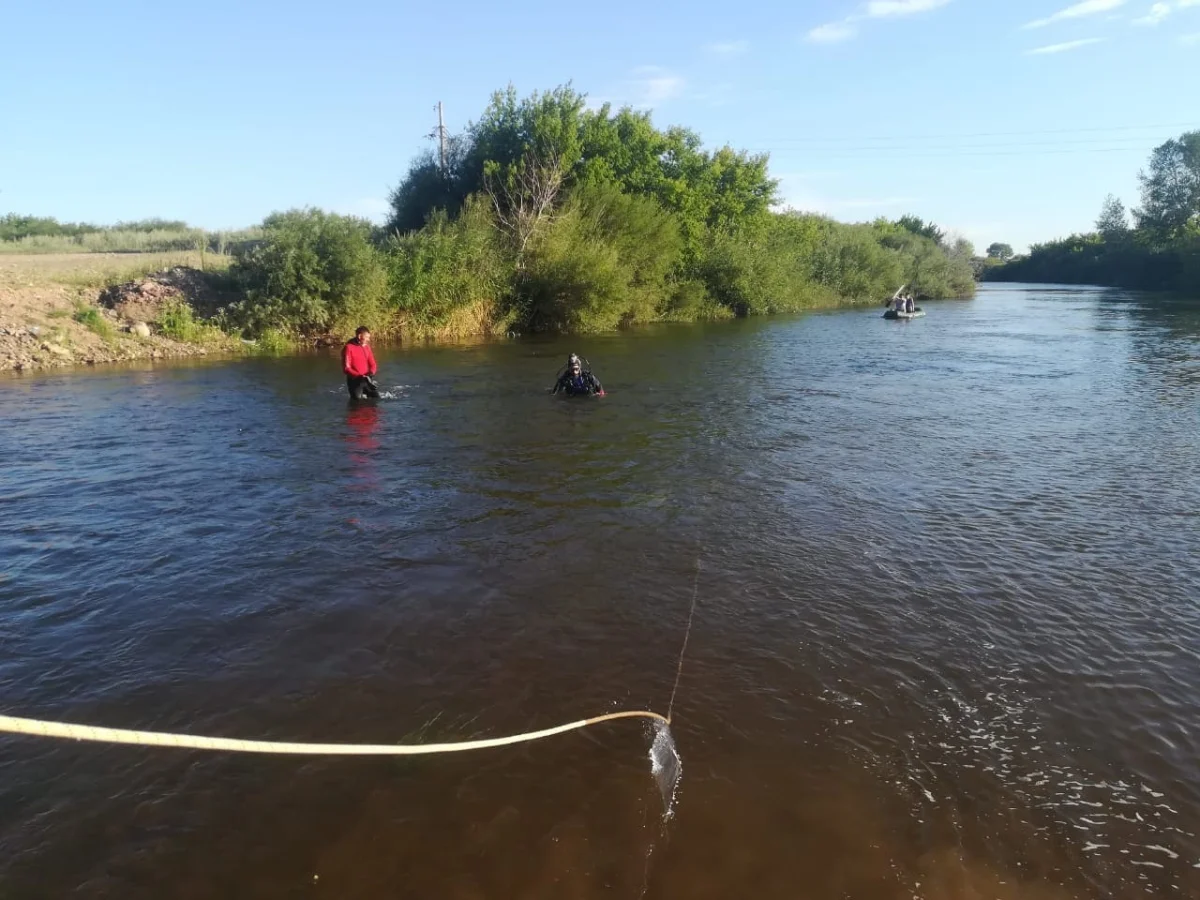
(910, 305)
(576, 381)
(358, 362)
(899, 304)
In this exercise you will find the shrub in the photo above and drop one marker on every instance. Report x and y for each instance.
(91, 317)
(606, 260)
(274, 342)
(314, 272)
(177, 321)
(451, 273)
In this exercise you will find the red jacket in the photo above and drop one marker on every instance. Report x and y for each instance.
(357, 360)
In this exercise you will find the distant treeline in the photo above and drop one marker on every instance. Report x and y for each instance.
(42, 234)
(1160, 251)
(550, 216)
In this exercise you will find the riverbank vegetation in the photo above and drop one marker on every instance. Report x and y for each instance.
(546, 215)
(1159, 250)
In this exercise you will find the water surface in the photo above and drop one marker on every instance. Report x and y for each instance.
(947, 642)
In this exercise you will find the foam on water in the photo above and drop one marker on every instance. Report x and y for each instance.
(665, 766)
(993, 731)
(395, 392)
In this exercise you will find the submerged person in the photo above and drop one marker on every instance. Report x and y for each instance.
(358, 362)
(576, 381)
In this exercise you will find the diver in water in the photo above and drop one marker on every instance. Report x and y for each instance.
(358, 362)
(577, 381)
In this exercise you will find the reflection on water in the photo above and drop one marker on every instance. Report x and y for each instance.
(945, 645)
(362, 422)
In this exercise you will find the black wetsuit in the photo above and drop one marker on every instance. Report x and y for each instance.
(362, 387)
(578, 385)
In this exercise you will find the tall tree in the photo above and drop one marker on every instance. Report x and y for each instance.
(917, 225)
(1000, 251)
(1112, 223)
(1171, 188)
(549, 143)
(962, 249)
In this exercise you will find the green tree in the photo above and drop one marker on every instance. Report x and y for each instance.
(314, 272)
(529, 154)
(606, 260)
(1112, 222)
(1171, 188)
(451, 269)
(424, 189)
(1000, 251)
(1162, 251)
(918, 226)
(14, 227)
(600, 219)
(962, 249)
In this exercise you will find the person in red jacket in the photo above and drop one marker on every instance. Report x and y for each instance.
(358, 362)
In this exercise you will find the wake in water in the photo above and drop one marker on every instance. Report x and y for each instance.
(667, 769)
(665, 766)
(395, 392)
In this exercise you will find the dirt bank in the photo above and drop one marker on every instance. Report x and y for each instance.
(56, 310)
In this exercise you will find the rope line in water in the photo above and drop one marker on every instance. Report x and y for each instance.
(76, 732)
(686, 634)
(40, 728)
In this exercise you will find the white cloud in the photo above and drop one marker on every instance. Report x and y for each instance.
(728, 48)
(1077, 11)
(1063, 48)
(833, 33)
(1158, 12)
(1161, 10)
(1188, 39)
(882, 9)
(844, 29)
(652, 85)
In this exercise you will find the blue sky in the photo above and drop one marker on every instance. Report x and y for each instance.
(1001, 121)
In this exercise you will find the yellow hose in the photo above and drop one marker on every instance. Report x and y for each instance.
(15, 725)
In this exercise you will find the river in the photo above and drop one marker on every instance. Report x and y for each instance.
(946, 642)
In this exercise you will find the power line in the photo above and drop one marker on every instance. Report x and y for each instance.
(968, 144)
(941, 152)
(885, 137)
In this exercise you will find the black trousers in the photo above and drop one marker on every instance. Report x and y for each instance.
(361, 386)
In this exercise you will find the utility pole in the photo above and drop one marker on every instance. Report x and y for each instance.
(441, 135)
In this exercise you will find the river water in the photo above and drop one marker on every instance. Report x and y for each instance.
(946, 644)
